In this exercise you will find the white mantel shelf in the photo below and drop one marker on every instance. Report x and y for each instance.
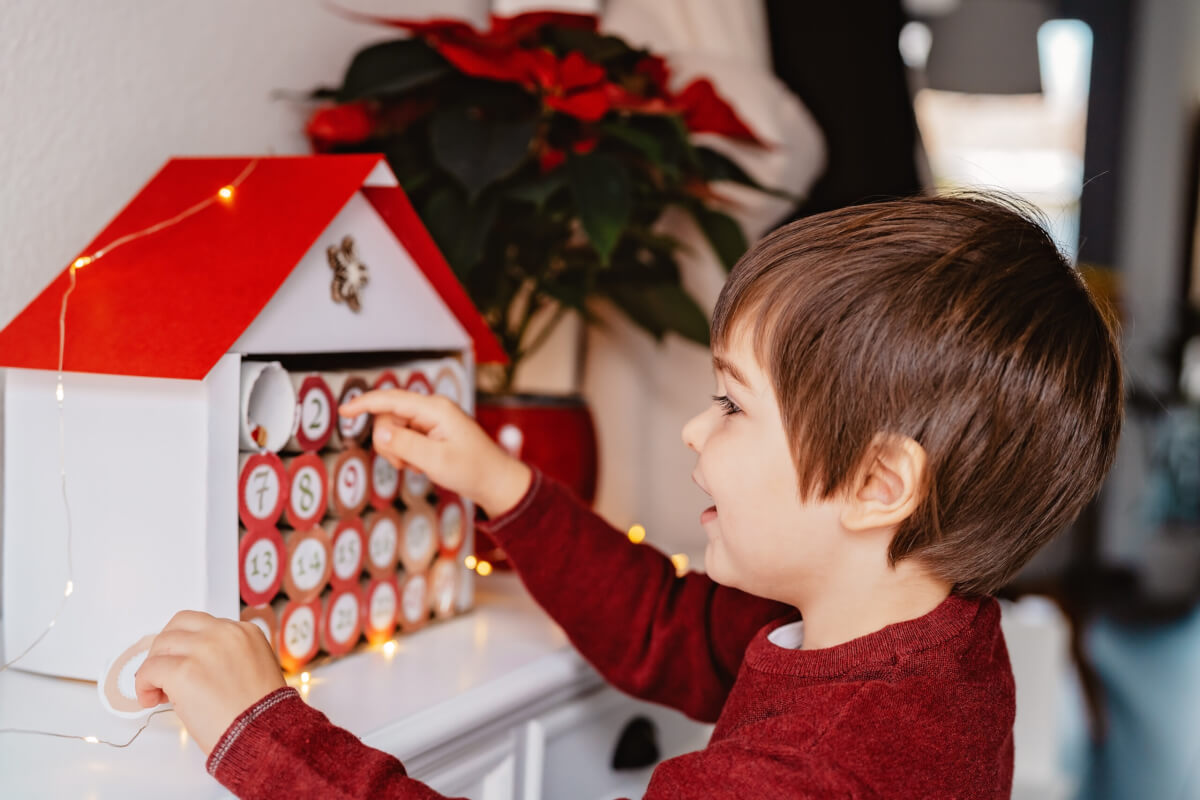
(445, 686)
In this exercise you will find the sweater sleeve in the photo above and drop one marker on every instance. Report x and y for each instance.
(678, 641)
(282, 747)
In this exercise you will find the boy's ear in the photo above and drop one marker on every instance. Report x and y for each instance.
(889, 486)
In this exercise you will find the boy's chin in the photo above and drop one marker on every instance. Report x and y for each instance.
(714, 566)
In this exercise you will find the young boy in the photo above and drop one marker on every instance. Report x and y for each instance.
(912, 398)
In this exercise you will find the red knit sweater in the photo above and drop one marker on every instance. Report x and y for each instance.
(920, 709)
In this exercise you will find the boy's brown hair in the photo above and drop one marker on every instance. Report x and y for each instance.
(954, 321)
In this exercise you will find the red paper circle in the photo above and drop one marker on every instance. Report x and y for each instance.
(316, 432)
(303, 490)
(341, 608)
(252, 517)
(269, 554)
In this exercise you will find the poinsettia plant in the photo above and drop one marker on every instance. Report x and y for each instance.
(541, 154)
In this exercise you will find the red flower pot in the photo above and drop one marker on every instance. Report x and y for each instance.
(553, 433)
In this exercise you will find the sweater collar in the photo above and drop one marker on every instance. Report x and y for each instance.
(884, 647)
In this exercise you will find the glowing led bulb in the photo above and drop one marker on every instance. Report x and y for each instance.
(389, 648)
(70, 588)
(637, 534)
(304, 677)
(81, 262)
(91, 740)
(483, 568)
(58, 391)
(226, 192)
(470, 561)
(680, 560)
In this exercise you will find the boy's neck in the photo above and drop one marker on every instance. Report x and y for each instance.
(858, 603)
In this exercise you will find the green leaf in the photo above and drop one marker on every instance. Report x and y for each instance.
(641, 141)
(390, 68)
(717, 166)
(459, 228)
(539, 189)
(722, 232)
(604, 195)
(661, 308)
(478, 150)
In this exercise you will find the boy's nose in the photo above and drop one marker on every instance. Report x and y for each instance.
(693, 432)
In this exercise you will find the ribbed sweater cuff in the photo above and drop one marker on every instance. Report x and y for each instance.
(528, 509)
(242, 746)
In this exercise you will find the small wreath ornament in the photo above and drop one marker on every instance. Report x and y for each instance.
(349, 274)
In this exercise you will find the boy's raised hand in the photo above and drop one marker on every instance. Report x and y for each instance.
(430, 433)
(210, 669)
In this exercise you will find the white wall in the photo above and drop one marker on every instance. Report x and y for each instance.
(98, 95)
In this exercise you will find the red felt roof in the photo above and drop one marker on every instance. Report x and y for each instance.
(170, 304)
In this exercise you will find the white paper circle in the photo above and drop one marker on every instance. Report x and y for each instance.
(415, 592)
(418, 538)
(381, 547)
(347, 554)
(261, 565)
(306, 488)
(351, 483)
(452, 526)
(352, 427)
(384, 476)
(308, 564)
(343, 617)
(314, 412)
(417, 483)
(298, 634)
(382, 610)
(261, 495)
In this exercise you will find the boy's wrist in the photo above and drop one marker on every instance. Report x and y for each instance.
(505, 488)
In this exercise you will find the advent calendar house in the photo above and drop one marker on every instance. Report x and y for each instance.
(156, 330)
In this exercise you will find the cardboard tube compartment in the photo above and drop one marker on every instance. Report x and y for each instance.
(309, 563)
(298, 640)
(385, 481)
(261, 559)
(317, 413)
(381, 604)
(443, 586)
(267, 413)
(452, 522)
(348, 431)
(262, 489)
(382, 530)
(418, 538)
(349, 550)
(349, 482)
(341, 619)
(308, 490)
(266, 620)
(414, 601)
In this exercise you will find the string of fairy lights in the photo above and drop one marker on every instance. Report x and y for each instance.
(224, 195)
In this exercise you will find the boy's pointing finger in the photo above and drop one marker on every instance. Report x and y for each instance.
(421, 410)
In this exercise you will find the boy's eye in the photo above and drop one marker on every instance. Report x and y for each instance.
(727, 405)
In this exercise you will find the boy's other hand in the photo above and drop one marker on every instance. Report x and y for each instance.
(210, 669)
(430, 433)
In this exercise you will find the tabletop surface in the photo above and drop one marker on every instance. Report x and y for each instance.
(440, 682)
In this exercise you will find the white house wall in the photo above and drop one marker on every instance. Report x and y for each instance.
(400, 309)
(136, 482)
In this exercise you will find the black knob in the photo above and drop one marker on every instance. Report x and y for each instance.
(637, 746)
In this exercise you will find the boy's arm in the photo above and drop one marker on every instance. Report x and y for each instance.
(673, 640)
(282, 747)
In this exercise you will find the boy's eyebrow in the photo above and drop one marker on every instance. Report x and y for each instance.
(723, 365)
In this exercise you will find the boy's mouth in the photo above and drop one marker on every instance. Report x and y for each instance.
(708, 514)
